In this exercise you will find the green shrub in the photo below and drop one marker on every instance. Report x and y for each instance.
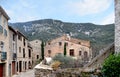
(111, 66)
(65, 60)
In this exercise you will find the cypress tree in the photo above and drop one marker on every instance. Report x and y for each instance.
(42, 50)
(65, 51)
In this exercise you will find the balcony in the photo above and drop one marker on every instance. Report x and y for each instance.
(14, 56)
(3, 55)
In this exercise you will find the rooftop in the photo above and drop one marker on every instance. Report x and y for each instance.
(2, 11)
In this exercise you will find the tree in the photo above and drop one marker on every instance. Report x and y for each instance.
(65, 51)
(111, 66)
(42, 50)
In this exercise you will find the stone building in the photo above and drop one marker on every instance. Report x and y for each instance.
(117, 26)
(20, 55)
(30, 54)
(23, 56)
(4, 44)
(12, 51)
(15, 49)
(75, 48)
(36, 45)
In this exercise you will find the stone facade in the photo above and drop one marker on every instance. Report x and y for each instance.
(20, 55)
(23, 59)
(13, 51)
(117, 26)
(36, 45)
(4, 44)
(75, 48)
(30, 58)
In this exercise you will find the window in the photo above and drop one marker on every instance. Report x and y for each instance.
(66, 43)
(20, 37)
(19, 49)
(71, 52)
(36, 41)
(29, 53)
(60, 43)
(13, 47)
(79, 42)
(5, 32)
(49, 43)
(13, 37)
(1, 29)
(85, 54)
(2, 45)
(24, 42)
(49, 51)
(23, 52)
(80, 53)
(4, 22)
(37, 56)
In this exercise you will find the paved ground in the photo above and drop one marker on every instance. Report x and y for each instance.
(29, 73)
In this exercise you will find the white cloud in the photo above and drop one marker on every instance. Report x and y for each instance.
(27, 4)
(87, 7)
(108, 19)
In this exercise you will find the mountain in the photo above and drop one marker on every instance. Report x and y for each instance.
(47, 29)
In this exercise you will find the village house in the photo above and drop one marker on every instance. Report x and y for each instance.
(15, 49)
(36, 55)
(4, 44)
(12, 51)
(24, 52)
(20, 55)
(76, 48)
(30, 54)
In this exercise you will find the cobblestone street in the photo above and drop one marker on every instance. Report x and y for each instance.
(29, 73)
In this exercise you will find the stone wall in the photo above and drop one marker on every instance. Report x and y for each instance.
(43, 73)
(64, 73)
(117, 26)
(57, 73)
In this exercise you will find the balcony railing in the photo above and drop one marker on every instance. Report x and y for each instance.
(3, 56)
(14, 56)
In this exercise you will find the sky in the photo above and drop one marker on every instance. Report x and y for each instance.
(77, 11)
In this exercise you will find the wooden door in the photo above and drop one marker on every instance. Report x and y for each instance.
(1, 70)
